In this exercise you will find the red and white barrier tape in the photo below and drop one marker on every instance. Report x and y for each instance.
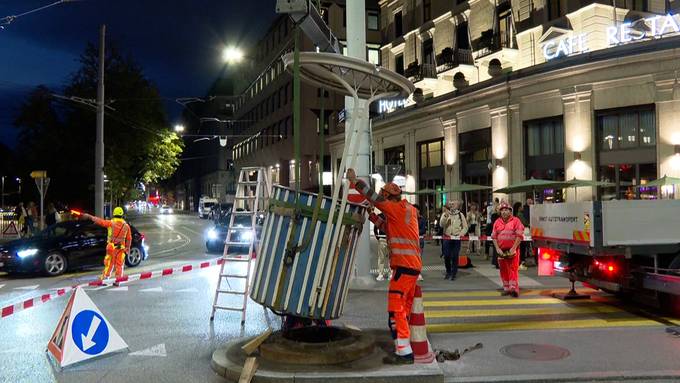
(460, 237)
(38, 300)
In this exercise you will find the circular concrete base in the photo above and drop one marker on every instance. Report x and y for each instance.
(317, 345)
(228, 362)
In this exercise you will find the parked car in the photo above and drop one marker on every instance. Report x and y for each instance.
(165, 209)
(65, 246)
(217, 235)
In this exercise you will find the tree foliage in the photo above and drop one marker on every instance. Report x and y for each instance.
(60, 136)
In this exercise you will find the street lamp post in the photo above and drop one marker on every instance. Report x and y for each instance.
(2, 204)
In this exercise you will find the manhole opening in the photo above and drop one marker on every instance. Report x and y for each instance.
(535, 352)
(317, 334)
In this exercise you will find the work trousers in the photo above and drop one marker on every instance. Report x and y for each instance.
(399, 302)
(451, 251)
(383, 257)
(510, 272)
(115, 258)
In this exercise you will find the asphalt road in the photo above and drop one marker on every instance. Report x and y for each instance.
(165, 322)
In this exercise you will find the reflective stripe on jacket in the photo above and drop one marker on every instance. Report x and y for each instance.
(118, 232)
(505, 233)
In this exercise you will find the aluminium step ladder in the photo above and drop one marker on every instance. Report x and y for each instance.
(251, 200)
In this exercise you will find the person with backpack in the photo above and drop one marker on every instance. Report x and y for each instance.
(455, 225)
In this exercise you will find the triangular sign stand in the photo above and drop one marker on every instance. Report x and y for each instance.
(82, 332)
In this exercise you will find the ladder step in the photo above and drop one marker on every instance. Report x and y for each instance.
(251, 168)
(236, 259)
(234, 276)
(229, 308)
(248, 183)
(246, 197)
(231, 243)
(241, 228)
(231, 292)
(243, 212)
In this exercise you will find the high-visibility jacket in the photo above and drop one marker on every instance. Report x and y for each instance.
(401, 228)
(505, 233)
(119, 233)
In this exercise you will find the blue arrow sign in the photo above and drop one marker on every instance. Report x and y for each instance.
(89, 332)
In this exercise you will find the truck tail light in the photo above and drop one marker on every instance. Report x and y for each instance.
(611, 268)
(546, 258)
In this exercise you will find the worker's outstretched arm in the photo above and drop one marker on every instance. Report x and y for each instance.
(363, 188)
(98, 221)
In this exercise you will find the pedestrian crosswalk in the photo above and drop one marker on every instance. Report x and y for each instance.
(479, 311)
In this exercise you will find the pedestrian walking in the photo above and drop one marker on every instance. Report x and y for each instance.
(455, 225)
(31, 216)
(119, 240)
(21, 216)
(422, 230)
(507, 235)
(52, 216)
(405, 262)
(383, 250)
(474, 219)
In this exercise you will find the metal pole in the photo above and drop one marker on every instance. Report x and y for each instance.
(356, 47)
(296, 111)
(42, 200)
(2, 204)
(99, 144)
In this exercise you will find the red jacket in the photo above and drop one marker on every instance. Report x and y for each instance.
(505, 233)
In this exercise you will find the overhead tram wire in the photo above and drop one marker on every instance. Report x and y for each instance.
(7, 20)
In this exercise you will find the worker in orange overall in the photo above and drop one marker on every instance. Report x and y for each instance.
(507, 235)
(403, 240)
(119, 240)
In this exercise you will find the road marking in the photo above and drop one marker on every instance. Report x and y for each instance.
(192, 231)
(157, 350)
(33, 287)
(497, 302)
(189, 290)
(494, 275)
(122, 288)
(152, 290)
(495, 293)
(542, 325)
(95, 288)
(521, 312)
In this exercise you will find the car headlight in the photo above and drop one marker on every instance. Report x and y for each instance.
(170, 211)
(212, 234)
(246, 236)
(27, 253)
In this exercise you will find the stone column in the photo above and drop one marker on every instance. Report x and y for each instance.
(452, 158)
(500, 149)
(668, 132)
(579, 147)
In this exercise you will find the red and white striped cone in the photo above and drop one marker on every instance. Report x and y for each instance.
(422, 351)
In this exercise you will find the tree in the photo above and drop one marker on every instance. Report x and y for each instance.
(139, 147)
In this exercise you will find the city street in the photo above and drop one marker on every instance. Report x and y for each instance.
(165, 322)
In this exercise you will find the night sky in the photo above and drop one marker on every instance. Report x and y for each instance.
(178, 43)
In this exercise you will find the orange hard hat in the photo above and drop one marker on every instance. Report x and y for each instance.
(392, 189)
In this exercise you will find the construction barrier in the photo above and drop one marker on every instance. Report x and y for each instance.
(482, 238)
(38, 300)
(422, 351)
(9, 225)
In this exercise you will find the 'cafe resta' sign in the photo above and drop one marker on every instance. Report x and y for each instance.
(655, 26)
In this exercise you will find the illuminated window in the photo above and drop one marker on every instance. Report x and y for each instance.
(372, 20)
(431, 154)
(626, 129)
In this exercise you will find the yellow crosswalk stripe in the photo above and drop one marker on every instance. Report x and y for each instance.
(541, 325)
(592, 309)
(491, 293)
(498, 302)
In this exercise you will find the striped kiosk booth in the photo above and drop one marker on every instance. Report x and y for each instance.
(293, 276)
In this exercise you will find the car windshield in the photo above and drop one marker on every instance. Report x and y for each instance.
(242, 220)
(208, 204)
(56, 230)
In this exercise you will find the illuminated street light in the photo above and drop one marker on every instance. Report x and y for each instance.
(179, 128)
(232, 55)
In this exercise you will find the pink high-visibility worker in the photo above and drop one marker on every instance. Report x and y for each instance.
(507, 235)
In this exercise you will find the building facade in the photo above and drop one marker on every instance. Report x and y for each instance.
(510, 90)
(264, 106)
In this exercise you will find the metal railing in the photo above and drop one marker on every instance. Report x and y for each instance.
(419, 72)
(450, 58)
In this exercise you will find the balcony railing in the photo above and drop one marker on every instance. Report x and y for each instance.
(449, 59)
(417, 72)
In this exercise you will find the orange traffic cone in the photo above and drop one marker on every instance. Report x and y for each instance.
(422, 351)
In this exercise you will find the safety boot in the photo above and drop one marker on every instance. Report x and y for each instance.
(398, 359)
